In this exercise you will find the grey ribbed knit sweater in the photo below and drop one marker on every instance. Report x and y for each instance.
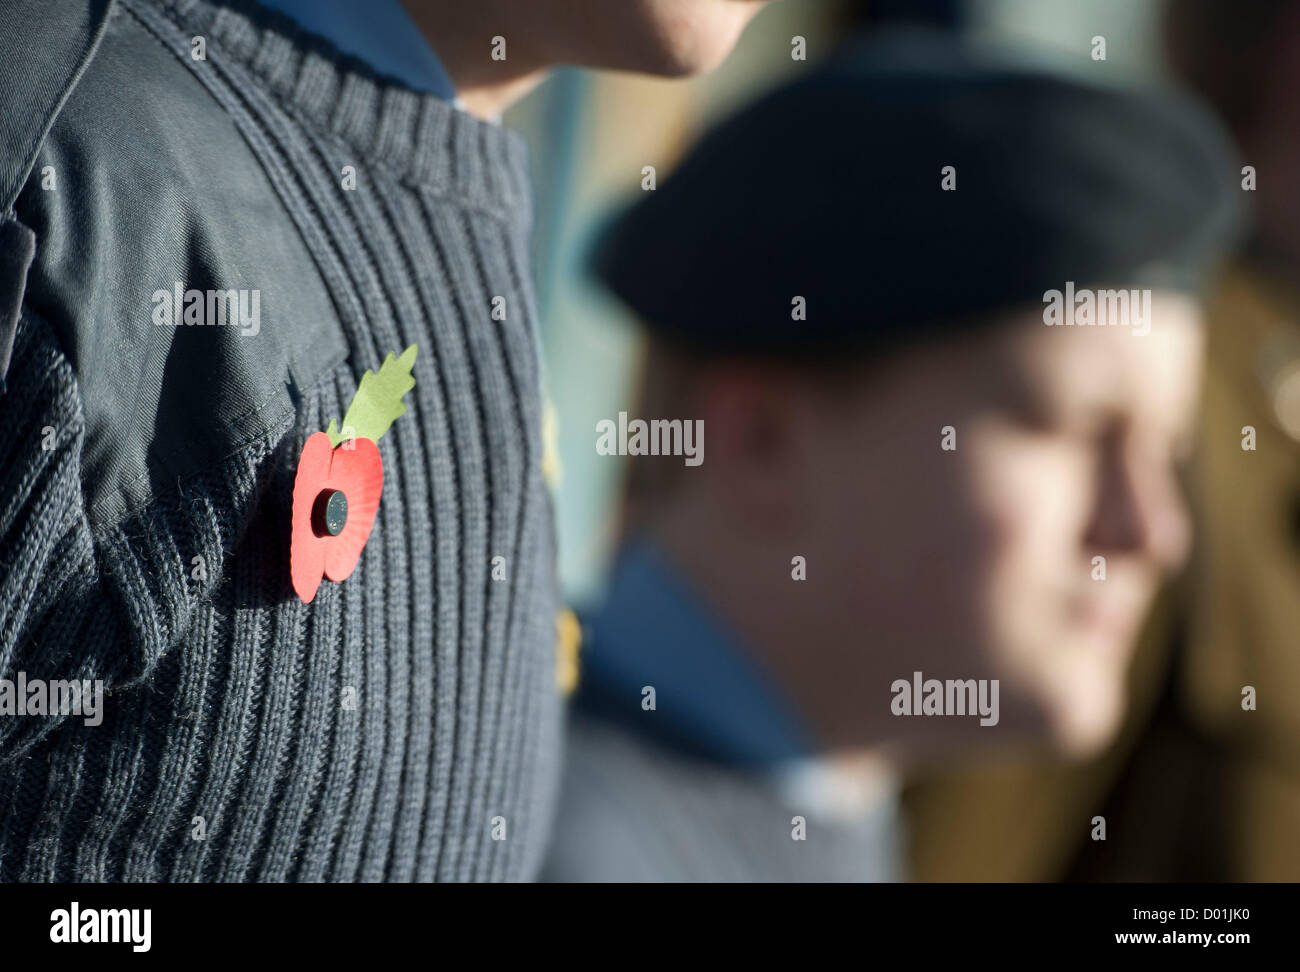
(378, 732)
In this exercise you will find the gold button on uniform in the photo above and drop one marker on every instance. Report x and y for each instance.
(568, 642)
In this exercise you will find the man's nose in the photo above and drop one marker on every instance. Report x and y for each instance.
(1140, 508)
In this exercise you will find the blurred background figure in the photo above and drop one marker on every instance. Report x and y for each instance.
(1193, 786)
(897, 473)
(1204, 780)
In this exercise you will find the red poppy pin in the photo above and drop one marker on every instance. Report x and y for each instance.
(341, 477)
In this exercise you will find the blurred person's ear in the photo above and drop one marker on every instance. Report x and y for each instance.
(756, 444)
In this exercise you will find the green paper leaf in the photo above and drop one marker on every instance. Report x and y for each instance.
(378, 400)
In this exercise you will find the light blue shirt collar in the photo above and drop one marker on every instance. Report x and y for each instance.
(379, 32)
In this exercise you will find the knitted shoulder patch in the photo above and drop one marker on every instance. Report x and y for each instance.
(340, 478)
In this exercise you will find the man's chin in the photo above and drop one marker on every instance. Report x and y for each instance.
(694, 44)
(1085, 725)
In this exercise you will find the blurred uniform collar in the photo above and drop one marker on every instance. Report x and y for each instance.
(379, 32)
(712, 700)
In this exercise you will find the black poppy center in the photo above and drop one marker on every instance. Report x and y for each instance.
(329, 514)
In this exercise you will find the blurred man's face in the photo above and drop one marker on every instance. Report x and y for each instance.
(979, 562)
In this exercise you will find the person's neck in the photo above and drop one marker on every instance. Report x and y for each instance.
(735, 575)
(489, 100)
(485, 86)
(732, 572)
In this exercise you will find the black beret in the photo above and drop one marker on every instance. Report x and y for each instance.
(830, 189)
